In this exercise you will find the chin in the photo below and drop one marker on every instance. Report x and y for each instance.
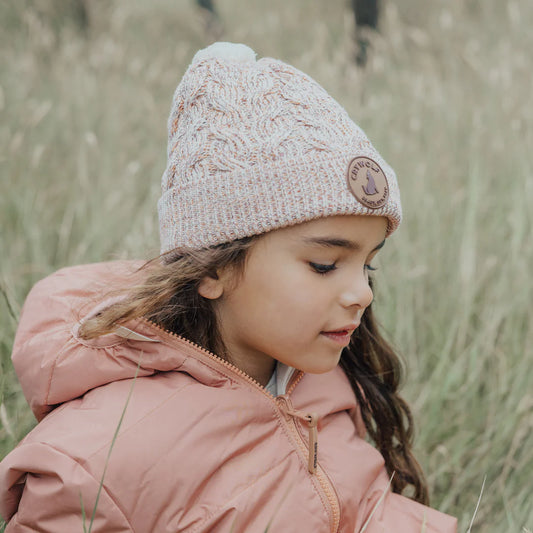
(325, 366)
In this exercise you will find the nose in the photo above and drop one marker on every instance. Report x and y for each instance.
(357, 292)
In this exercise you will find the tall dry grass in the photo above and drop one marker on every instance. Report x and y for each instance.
(447, 98)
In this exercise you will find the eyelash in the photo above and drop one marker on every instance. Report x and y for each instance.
(324, 269)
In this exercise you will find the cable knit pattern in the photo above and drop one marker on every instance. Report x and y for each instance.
(255, 146)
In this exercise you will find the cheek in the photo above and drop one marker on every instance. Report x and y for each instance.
(281, 298)
(293, 303)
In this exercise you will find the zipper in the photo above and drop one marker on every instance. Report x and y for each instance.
(311, 451)
(295, 379)
(211, 355)
(289, 415)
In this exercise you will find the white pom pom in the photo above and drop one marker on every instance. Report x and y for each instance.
(228, 51)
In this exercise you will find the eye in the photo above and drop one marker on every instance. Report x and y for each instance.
(322, 269)
(370, 268)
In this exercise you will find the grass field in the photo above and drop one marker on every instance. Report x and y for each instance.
(447, 97)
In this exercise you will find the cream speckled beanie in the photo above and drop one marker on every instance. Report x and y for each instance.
(258, 145)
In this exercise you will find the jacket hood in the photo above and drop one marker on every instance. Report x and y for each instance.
(55, 365)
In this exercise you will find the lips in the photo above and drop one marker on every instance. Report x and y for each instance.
(340, 336)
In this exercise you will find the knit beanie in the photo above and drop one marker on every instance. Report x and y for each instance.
(258, 145)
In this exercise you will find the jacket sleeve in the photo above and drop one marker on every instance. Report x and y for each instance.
(42, 489)
(386, 512)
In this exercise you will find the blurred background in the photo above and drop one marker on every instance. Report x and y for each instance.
(444, 89)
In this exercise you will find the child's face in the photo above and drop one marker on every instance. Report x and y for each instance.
(300, 284)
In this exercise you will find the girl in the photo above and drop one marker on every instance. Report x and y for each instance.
(230, 386)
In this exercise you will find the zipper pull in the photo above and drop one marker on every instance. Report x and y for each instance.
(285, 405)
(312, 420)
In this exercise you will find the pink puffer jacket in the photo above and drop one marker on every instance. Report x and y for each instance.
(201, 447)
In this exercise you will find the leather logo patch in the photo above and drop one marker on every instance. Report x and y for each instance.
(367, 182)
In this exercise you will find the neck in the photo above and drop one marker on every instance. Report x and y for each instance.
(260, 369)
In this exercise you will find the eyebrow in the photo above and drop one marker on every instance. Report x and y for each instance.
(334, 242)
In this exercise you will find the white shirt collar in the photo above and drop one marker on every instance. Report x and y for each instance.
(280, 379)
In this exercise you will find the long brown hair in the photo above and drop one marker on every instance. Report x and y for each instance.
(375, 373)
(168, 295)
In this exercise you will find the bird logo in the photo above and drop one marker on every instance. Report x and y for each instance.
(370, 187)
(367, 182)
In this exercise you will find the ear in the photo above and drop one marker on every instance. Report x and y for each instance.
(211, 288)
